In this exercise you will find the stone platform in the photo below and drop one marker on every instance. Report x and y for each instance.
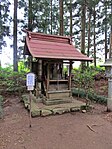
(40, 109)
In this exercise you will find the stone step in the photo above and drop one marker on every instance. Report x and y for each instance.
(57, 101)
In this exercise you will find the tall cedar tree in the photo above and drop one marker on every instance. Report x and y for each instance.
(42, 21)
(71, 18)
(94, 15)
(83, 25)
(105, 5)
(30, 15)
(15, 58)
(89, 34)
(0, 36)
(4, 19)
(30, 28)
(110, 53)
(61, 17)
(83, 18)
(51, 17)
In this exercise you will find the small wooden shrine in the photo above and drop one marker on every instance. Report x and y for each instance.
(52, 60)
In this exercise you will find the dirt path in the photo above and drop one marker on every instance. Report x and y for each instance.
(69, 131)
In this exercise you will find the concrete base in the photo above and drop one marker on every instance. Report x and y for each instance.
(40, 109)
(109, 105)
(109, 100)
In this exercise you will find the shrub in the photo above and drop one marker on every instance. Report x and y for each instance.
(92, 96)
(10, 80)
(84, 80)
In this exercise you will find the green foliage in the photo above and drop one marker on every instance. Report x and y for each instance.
(42, 20)
(22, 68)
(4, 20)
(84, 80)
(10, 80)
(88, 75)
(96, 70)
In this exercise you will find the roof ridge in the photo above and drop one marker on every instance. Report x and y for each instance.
(50, 35)
(49, 38)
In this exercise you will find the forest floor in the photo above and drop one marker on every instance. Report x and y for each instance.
(91, 130)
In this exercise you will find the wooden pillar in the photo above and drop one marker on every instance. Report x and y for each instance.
(40, 70)
(70, 68)
(47, 81)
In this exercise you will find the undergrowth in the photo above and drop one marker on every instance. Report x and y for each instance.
(91, 96)
(11, 81)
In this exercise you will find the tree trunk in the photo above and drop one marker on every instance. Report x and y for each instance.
(111, 14)
(71, 18)
(30, 22)
(89, 26)
(94, 37)
(105, 30)
(83, 29)
(110, 50)
(15, 59)
(83, 18)
(51, 17)
(61, 17)
(0, 29)
(0, 35)
(30, 28)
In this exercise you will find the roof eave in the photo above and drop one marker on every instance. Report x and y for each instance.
(64, 58)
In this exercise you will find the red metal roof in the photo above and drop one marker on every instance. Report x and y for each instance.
(53, 47)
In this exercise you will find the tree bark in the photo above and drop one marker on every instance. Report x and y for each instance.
(51, 17)
(111, 14)
(30, 28)
(61, 17)
(15, 58)
(71, 18)
(30, 22)
(83, 18)
(105, 30)
(0, 34)
(110, 50)
(0, 29)
(94, 37)
(83, 29)
(89, 26)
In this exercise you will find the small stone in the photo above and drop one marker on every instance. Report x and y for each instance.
(45, 112)
(61, 110)
(84, 111)
(15, 143)
(35, 112)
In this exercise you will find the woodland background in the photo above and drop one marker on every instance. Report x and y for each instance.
(89, 22)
